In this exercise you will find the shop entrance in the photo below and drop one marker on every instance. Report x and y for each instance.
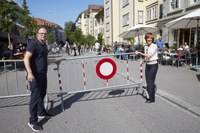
(184, 36)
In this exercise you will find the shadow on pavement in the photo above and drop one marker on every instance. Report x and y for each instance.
(70, 99)
(198, 76)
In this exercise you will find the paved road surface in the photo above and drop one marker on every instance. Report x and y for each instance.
(121, 111)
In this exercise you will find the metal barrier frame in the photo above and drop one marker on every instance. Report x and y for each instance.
(137, 85)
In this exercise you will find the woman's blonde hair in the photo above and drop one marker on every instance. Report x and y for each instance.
(149, 35)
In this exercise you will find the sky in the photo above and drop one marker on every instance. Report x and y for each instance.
(59, 11)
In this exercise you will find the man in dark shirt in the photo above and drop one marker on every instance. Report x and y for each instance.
(36, 63)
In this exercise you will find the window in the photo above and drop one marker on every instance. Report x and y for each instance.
(96, 32)
(175, 4)
(152, 13)
(176, 38)
(96, 23)
(107, 12)
(125, 20)
(198, 38)
(148, 15)
(107, 26)
(107, 40)
(140, 17)
(194, 1)
(125, 2)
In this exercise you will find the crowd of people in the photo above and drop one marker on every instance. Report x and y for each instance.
(171, 55)
(12, 50)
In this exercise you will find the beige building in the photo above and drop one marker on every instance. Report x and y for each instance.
(99, 23)
(87, 22)
(111, 21)
(121, 15)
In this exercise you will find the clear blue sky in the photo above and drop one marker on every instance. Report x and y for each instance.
(58, 11)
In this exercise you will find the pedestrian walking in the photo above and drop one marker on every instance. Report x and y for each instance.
(36, 63)
(151, 57)
(79, 49)
(67, 47)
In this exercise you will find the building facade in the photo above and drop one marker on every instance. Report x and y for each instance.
(87, 22)
(120, 15)
(173, 9)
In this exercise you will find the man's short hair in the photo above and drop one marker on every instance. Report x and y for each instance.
(41, 27)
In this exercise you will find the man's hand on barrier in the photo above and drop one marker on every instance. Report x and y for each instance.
(57, 62)
(54, 61)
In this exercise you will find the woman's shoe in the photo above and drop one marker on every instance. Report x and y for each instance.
(148, 101)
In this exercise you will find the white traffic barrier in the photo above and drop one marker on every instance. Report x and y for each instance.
(81, 75)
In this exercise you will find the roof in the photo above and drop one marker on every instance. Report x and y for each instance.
(46, 22)
(95, 7)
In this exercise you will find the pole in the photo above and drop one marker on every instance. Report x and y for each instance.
(197, 45)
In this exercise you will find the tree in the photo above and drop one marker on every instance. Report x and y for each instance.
(78, 35)
(29, 22)
(51, 38)
(100, 38)
(9, 16)
(69, 28)
(90, 40)
(131, 40)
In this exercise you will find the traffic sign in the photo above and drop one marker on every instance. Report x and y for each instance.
(106, 68)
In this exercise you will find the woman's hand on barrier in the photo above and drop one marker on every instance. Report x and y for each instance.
(142, 62)
(137, 52)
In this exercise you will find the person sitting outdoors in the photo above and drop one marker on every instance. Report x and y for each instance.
(165, 54)
(129, 50)
(186, 49)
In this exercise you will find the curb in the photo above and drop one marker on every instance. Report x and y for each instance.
(188, 106)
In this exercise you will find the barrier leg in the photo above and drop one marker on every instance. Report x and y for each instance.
(143, 88)
(46, 102)
(61, 95)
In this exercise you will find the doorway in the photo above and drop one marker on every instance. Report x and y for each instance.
(184, 36)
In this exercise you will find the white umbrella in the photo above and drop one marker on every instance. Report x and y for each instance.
(138, 30)
(123, 34)
(187, 21)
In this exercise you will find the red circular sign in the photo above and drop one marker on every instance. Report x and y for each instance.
(106, 68)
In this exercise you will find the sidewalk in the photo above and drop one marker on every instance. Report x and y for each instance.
(180, 86)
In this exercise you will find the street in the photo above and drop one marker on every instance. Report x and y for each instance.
(113, 111)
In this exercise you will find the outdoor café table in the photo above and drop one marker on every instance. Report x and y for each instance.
(18, 56)
(173, 57)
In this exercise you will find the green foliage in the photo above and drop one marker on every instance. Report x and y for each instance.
(100, 38)
(76, 35)
(8, 13)
(51, 38)
(131, 40)
(69, 28)
(29, 22)
(90, 40)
